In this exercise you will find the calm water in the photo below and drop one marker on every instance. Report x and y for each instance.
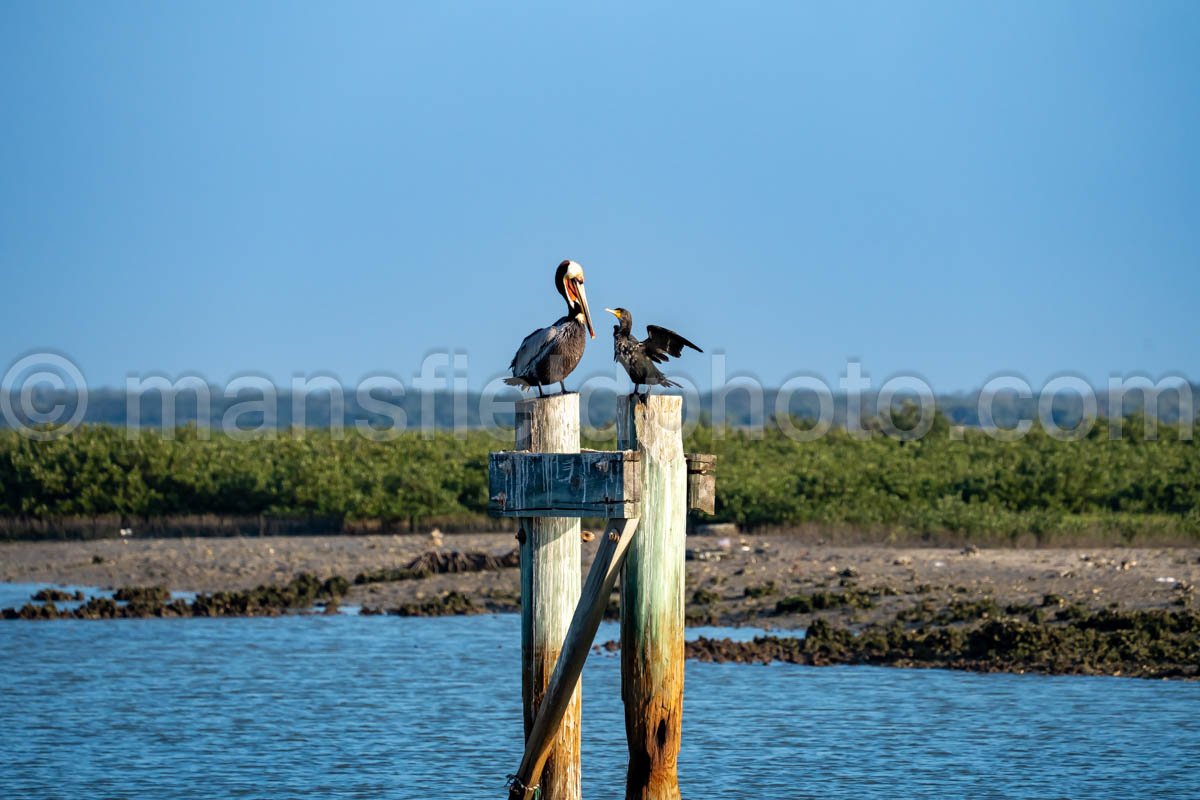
(379, 707)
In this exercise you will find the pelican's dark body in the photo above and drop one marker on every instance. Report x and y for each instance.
(557, 351)
(550, 354)
(640, 358)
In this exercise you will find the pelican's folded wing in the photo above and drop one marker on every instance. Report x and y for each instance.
(533, 349)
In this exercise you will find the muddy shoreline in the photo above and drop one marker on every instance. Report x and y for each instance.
(898, 605)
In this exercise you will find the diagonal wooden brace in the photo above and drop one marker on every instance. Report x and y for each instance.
(598, 587)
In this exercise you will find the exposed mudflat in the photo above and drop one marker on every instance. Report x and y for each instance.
(768, 581)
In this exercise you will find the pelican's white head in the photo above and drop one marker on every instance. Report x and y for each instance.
(568, 280)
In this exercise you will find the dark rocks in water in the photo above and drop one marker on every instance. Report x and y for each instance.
(56, 596)
(436, 562)
(140, 602)
(763, 650)
(452, 603)
(142, 594)
(302, 592)
(1147, 644)
(108, 608)
(30, 611)
(102, 608)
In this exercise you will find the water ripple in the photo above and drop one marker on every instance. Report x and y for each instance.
(378, 707)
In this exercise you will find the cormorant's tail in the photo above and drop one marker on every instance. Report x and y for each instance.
(668, 382)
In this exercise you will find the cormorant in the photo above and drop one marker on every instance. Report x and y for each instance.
(548, 355)
(639, 358)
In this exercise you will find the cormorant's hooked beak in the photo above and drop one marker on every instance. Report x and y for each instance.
(577, 287)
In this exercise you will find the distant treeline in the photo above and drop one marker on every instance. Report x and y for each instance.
(961, 482)
(735, 406)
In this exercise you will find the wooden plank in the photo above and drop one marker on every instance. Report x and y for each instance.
(602, 577)
(652, 598)
(550, 578)
(702, 482)
(588, 484)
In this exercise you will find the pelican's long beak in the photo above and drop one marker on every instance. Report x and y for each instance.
(587, 315)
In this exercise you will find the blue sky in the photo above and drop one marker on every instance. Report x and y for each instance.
(945, 189)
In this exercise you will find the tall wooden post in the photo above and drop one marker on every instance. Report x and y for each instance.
(550, 586)
(652, 597)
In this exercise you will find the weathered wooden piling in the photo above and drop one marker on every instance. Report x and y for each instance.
(550, 586)
(652, 597)
(540, 489)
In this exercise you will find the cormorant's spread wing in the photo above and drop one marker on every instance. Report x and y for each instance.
(533, 349)
(662, 343)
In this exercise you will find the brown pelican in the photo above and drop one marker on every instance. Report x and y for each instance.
(639, 358)
(548, 355)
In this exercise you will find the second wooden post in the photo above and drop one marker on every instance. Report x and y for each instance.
(550, 585)
(652, 597)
